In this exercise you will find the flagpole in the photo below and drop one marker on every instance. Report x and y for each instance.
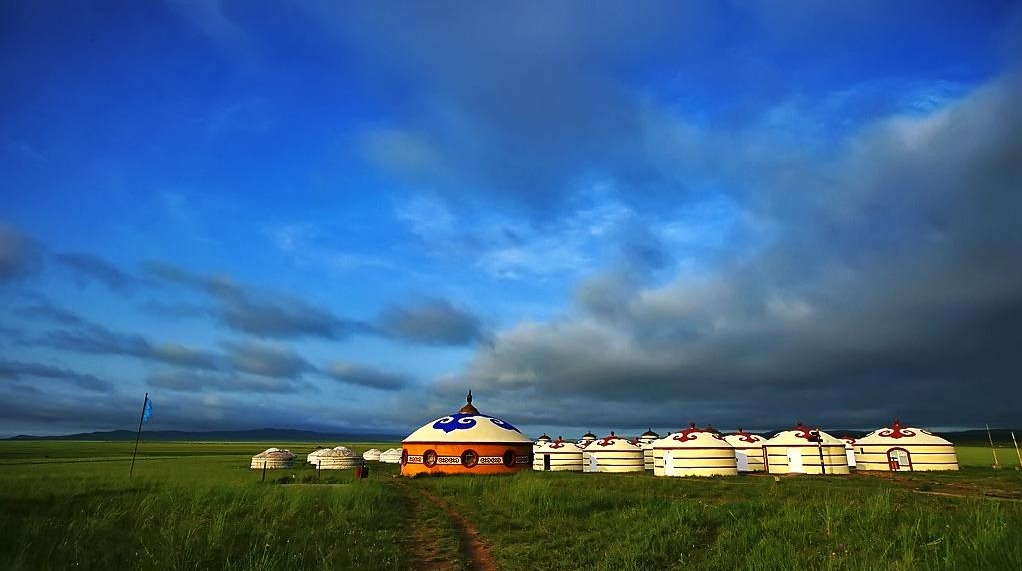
(138, 436)
(997, 465)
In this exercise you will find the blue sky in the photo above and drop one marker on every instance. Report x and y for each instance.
(342, 216)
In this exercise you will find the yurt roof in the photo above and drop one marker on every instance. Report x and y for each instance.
(590, 436)
(467, 425)
(611, 442)
(335, 453)
(801, 435)
(649, 434)
(560, 445)
(692, 437)
(276, 453)
(372, 451)
(543, 438)
(847, 439)
(897, 434)
(743, 439)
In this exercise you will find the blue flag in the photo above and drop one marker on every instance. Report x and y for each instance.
(147, 410)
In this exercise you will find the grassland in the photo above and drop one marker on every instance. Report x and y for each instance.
(198, 506)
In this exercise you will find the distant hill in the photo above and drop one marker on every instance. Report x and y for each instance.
(256, 435)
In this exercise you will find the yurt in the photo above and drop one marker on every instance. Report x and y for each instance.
(543, 439)
(466, 442)
(557, 456)
(273, 458)
(748, 450)
(339, 458)
(898, 449)
(802, 450)
(849, 449)
(391, 456)
(694, 452)
(645, 442)
(587, 439)
(372, 455)
(612, 454)
(311, 457)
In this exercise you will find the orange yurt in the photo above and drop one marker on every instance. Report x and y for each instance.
(748, 450)
(897, 448)
(466, 442)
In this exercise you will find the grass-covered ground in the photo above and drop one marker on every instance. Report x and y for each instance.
(199, 506)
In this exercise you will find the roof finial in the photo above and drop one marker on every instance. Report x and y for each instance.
(469, 408)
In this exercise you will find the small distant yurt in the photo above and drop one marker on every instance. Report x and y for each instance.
(898, 449)
(339, 458)
(693, 452)
(391, 456)
(273, 458)
(802, 450)
(612, 454)
(466, 442)
(311, 457)
(543, 439)
(557, 456)
(372, 455)
(646, 440)
(849, 449)
(587, 439)
(748, 450)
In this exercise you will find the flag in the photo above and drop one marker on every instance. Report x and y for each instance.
(147, 410)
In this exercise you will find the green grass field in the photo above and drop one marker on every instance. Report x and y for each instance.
(199, 506)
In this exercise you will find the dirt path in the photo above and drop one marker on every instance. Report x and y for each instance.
(441, 538)
(475, 550)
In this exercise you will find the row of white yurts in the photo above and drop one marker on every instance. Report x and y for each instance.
(705, 452)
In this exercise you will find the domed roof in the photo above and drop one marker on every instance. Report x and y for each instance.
(896, 434)
(743, 439)
(339, 452)
(802, 435)
(277, 453)
(560, 445)
(692, 436)
(467, 425)
(649, 434)
(543, 438)
(589, 436)
(611, 442)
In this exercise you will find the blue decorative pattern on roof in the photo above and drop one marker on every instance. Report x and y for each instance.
(460, 421)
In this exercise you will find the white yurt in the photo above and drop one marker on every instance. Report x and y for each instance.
(339, 458)
(849, 449)
(373, 454)
(612, 454)
(311, 457)
(693, 452)
(273, 458)
(748, 450)
(587, 439)
(646, 440)
(543, 439)
(391, 456)
(898, 448)
(802, 450)
(557, 456)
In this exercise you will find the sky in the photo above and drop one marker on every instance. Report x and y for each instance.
(341, 216)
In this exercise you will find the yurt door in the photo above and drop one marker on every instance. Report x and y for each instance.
(668, 463)
(850, 456)
(743, 460)
(592, 462)
(546, 462)
(795, 461)
(899, 460)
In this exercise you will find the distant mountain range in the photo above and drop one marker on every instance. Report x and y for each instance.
(256, 435)
(1000, 435)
